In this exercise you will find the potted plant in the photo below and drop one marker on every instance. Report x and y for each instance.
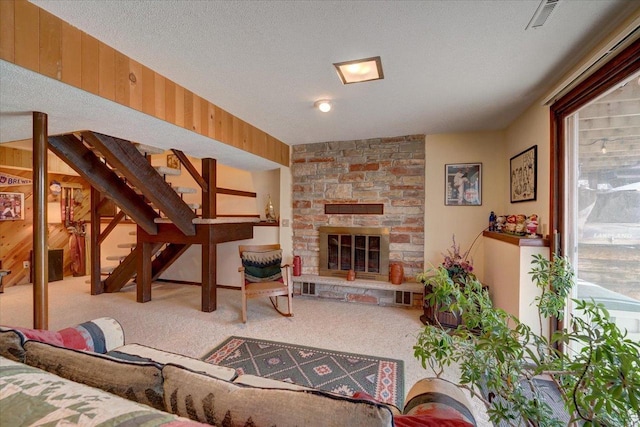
(593, 365)
(457, 269)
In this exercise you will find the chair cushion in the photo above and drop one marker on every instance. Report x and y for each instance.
(137, 381)
(11, 345)
(143, 353)
(262, 266)
(221, 403)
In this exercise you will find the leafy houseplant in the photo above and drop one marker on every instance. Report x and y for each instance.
(459, 267)
(595, 367)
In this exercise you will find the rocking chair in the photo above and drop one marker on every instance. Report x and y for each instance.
(262, 275)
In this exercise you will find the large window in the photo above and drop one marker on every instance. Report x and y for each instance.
(596, 186)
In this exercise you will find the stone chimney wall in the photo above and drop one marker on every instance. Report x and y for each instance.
(388, 171)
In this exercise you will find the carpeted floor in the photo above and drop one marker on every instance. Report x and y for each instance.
(335, 371)
(172, 321)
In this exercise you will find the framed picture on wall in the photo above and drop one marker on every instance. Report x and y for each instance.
(523, 172)
(173, 162)
(11, 206)
(463, 184)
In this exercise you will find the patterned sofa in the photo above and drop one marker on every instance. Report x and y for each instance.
(86, 375)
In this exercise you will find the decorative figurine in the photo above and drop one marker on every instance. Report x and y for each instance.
(521, 227)
(269, 211)
(532, 225)
(501, 222)
(492, 221)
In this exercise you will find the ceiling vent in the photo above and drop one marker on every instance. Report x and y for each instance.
(542, 13)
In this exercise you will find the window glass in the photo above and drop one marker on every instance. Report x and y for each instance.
(603, 144)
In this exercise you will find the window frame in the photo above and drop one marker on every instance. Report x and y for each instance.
(617, 69)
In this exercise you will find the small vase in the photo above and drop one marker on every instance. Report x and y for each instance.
(396, 273)
(351, 275)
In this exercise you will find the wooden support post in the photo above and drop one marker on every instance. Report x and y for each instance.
(143, 280)
(209, 278)
(209, 197)
(96, 279)
(40, 231)
(209, 286)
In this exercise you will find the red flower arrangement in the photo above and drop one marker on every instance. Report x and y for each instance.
(458, 265)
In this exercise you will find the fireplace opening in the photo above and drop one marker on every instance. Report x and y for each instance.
(362, 249)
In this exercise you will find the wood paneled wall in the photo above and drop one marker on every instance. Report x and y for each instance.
(16, 237)
(23, 159)
(34, 39)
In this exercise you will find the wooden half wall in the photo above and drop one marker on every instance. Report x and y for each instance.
(34, 39)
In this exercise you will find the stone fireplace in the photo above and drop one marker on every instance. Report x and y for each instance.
(387, 173)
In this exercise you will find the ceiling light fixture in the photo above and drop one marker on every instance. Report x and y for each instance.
(360, 70)
(603, 150)
(323, 105)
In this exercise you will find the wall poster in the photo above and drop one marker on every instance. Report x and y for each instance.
(463, 184)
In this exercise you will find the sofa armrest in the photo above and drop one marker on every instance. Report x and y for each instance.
(99, 335)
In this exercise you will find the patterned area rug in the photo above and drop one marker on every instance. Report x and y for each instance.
(343, 373)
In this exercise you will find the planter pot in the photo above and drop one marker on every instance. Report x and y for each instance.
(396, 273)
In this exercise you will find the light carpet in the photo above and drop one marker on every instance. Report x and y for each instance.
(172, 321)
(329, 370)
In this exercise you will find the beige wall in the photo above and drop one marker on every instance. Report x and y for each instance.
(286, 214)
(466, 222)
(531, 128)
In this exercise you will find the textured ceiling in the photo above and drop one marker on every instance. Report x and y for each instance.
(449, 66)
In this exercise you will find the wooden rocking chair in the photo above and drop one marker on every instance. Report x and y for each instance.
(263, 275)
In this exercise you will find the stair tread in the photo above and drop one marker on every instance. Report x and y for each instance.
(127, 245)
(107, 269)
(163, 170)
(225, 220)
(184, 190)
(194, 205)
(148, 149)
(116, 257)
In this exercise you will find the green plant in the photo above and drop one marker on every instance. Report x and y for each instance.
(457, 264)
(593, 363)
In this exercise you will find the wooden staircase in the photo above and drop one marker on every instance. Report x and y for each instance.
(120, 171)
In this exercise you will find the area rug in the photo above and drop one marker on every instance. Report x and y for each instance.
(335, 371)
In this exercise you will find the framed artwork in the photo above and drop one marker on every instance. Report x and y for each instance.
(524, 175)
(11, 206)
(173, 162)
(463, 184)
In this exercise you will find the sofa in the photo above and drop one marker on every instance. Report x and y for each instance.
(86, 375)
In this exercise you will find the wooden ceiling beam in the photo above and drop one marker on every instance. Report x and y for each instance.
(610, 109)
(610, 122)
(610, 134)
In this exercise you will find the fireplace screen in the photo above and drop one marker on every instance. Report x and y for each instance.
(362, 249)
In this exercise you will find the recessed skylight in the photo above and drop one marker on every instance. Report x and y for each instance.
(360, 70)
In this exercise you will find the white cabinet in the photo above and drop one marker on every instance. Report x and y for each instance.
(507, 264)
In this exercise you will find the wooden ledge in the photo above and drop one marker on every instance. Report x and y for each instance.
(517, 240)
